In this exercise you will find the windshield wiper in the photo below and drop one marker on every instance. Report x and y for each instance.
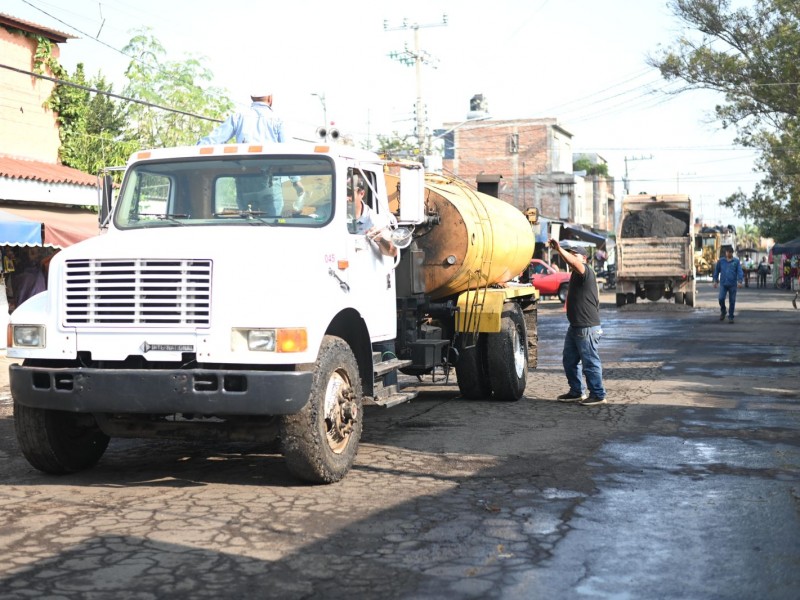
(252, 215)
(172, 218)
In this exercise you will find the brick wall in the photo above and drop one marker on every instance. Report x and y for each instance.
(27, 129)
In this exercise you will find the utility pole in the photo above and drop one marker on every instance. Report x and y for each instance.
(632, 158)
(417, 58)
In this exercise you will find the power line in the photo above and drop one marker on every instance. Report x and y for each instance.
(109, 94)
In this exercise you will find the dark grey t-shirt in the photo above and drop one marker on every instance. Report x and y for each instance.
(583, 302)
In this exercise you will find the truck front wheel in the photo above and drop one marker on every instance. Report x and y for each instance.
(58, 442)
(320, 442)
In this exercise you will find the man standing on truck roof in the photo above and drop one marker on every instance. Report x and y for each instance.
(258, 125)
(580, 355)
(728, 275)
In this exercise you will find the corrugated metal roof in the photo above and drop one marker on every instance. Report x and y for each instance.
(35, 28)
(34, 170)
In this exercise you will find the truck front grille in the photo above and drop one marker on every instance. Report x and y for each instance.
(155, 292)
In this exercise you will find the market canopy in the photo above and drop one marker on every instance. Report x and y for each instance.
(574, 233)
(792, 247)
(60, 227)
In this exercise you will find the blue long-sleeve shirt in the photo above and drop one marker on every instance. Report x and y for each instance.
(257, 124)
(728, 272)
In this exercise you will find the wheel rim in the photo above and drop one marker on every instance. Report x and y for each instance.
(341, 411)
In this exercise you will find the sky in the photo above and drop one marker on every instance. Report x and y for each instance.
(582, 62)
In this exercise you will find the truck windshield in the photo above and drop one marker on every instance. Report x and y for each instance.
(284, 191)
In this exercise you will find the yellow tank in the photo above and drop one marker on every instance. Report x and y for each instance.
(478, 240)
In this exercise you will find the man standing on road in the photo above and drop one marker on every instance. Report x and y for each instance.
(580, 356)
(728, 275)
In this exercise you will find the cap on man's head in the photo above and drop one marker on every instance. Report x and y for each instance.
(260, 91)
(574, 248)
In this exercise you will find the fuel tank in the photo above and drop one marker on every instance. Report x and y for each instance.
(472, 240)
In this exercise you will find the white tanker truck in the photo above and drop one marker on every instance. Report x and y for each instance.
(197, 315)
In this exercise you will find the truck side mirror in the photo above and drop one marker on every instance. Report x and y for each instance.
(106, 197)
(412, 196)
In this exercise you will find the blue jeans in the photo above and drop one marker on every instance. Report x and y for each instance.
(729, 290)
(581, 358)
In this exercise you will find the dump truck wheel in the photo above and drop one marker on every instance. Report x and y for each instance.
(630, 298)
(58, 442)
(472, 371)
(507, 355)
(562, 292)
(689, 298)
(679, 298)
(620, 299)
(320, 442)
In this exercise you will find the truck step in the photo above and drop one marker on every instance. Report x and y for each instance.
(394, 399)
(387, 366)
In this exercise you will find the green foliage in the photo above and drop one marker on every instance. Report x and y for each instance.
(91, 125)
(180, 84)
(397, 146)
(752, 57)
(585, 164)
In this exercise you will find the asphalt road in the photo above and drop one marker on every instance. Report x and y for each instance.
(686, 485)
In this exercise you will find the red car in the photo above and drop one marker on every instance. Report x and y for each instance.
(548, 281)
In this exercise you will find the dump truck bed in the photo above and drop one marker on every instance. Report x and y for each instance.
(643, 258)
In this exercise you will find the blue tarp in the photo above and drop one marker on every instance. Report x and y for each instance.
(18, 231)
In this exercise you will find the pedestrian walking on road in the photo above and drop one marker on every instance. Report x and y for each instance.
(763, 269)
(580, 356)
(728, 275)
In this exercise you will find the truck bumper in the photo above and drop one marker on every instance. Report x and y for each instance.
(150, 391)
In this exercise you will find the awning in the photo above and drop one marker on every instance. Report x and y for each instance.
(18, 231)
(574, 233)
(791, 247)
(59, 227)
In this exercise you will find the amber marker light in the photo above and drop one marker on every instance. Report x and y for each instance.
(206, 150)
(322, 148)
(143, 155)
(292, 340)
(342, 264)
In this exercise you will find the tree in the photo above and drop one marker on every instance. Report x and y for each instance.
(91, 125)
(398, 146)
(585, 164)
(176, 84)
(752, 57)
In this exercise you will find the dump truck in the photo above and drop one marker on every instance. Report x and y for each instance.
(199, 313)
(655, 257)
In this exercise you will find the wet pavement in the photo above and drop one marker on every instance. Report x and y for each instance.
(686, 485)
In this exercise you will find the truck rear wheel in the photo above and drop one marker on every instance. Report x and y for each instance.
(507, 355)
(679, 298)
(621, 299)
(472, 371)
(58, 442)
(320, 442)
(690, 298)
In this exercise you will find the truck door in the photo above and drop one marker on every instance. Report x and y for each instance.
(370, 273)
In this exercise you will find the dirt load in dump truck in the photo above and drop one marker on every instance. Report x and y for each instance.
(655, 257)
(220, 304)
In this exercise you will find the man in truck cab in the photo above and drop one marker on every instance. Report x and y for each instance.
(364, 217)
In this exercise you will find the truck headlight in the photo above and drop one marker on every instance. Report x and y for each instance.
(27, 336)
(270, 340)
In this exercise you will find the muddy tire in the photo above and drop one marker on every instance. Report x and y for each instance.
(58, 442)
(507, 355)
(472, 371)
(630, 298)
(562, 292)
(621, 300)
(679, 298)
(320, 442)
(689, 298)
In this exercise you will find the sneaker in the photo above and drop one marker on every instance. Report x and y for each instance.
(571, 397)
(730, 321)
(722, 316)
(592, 400)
